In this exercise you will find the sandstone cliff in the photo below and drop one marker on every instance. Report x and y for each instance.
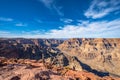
(100, 54)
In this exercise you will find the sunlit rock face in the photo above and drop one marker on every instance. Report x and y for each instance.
(100, 54)
(96, 55)
(26, 69)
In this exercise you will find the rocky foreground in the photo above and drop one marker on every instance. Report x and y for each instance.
(55, 59)
(25, 69)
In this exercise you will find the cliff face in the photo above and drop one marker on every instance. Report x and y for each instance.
(27, 48)
(34, 48)
(92, 48)
(100, 54)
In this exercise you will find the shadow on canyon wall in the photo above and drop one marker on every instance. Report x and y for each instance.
(89, 69)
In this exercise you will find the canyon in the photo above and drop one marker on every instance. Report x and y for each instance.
(66, 59)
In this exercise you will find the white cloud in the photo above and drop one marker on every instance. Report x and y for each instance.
(93, 29)
(51, 5)
(47, 3)
(35, 32)
(38, 20)
(5, 19)
(99, 9)
(66, 20)
(99, 29)
(20, 24)
(4, 33)
(58, 10)
(82, 22)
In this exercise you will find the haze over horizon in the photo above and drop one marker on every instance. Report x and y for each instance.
(60, 18)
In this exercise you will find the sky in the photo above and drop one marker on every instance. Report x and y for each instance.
(60, 18)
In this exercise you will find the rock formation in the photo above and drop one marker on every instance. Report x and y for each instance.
(26, 69)
(100, 54)
(97, 57)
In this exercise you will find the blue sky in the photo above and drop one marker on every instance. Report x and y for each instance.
(60, 18)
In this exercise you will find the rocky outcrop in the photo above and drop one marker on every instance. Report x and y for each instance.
(91, 48)
(74, 63)
(100, 54)
(26, 69)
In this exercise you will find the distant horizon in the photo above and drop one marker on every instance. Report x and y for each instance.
(60, 19)
(53, 38)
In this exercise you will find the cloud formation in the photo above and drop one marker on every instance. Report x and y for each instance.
(66, 20)
(5, 19)
(47, 3)
(20, 24)
(99, 9)
(98, 29)
(4, 33)
(90, 29)
(51, 5)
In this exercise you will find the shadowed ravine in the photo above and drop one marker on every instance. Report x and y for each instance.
(72, 57)
(89, 69)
